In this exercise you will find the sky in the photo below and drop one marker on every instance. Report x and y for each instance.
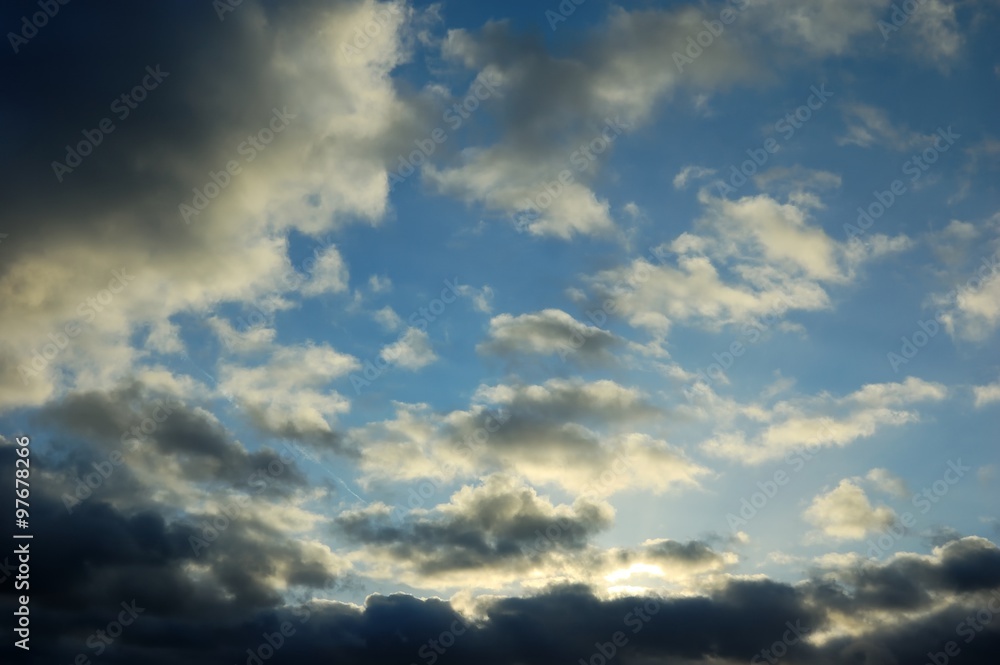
(500, 333)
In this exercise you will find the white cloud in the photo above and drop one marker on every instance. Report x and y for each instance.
(329, 275)
(482, 298)
(569, 433)
(287, 395)
(818, 27)
(823, 420)
(974, 313)
(887, 482)
(776, 257)
(412, 351)
(387, 318)
(550, 331)
(246, 340)
(845, 513)
(690, 172)
(379, 284)
(987, 394)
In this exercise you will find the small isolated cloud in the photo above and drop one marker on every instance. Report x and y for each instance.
(482, 298)
(845, 513)
(887, 482)
(387, 318)
(329, 275)
(412, 351)
(379, 284)
(689, 173)
(973, 310)
(987, 394)
(548, 332)
(632, 210)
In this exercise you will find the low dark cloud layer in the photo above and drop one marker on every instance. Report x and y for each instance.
(214, 604)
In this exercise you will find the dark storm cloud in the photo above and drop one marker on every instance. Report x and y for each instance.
(67, 81)
(98, 555)
(220, 83)
(85, 567)
(966, 565)
(217, 83)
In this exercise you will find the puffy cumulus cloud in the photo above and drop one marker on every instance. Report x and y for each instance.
(864, 597)
(569, 433)
(656, 296)
(248, 340)
(288, 394)
(845, 513)
(224, 86)
(969, 310)
(506, 183)
(548, 332)
(329, 274)
(975, 313)
(387, 318)
(500, 534)
(484, 535)
(780, 233)
(623, 462)
(756, 433)
(902, 393)
(779, 259)
(411, 351)
(987, 394)
(562, 113)
(420, 437)
(570, 399)
(556, 105)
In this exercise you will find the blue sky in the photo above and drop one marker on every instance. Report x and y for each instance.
(644, 349)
